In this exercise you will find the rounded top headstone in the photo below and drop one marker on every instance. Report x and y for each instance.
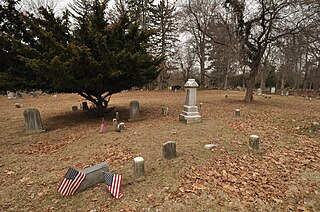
(191, 83)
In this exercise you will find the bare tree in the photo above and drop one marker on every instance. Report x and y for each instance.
(34, 5)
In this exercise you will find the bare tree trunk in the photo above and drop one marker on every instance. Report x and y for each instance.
(251, 81)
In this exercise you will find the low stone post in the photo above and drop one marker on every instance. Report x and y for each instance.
(74, 108)
(117, 116)
(115, 124)
(138, 167)
(190, 112)
(94, 176)
(169, 150)
(134, 111)
(237, 112)
(165, 110)
(254, 143)
(314, 126)
(85, 106)
(32, 120)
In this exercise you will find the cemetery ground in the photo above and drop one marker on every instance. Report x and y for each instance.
(284, 176)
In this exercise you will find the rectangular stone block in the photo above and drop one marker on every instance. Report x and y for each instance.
(94, 176)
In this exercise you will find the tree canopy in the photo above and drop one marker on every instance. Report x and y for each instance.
(92, 57)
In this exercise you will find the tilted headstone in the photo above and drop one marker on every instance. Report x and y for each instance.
(237, 112)
(169, 150)
(134, 111)
(32, 120)
(190, 112)
(121, 127)
(259, 91)
(273, 90)
(94, 176)
(314, 126)
(254, 143)
(74, 108)
(11, 95)
(138, 167)
(165, 110)
(85, 106)
(17, 105)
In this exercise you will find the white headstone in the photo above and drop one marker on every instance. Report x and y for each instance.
(273, 90)
(259, 91)
(190, 112)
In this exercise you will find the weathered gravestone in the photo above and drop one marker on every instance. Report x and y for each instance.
(11, 95)
(190, 112)
(273, 90)
(314, 126)
(32, 120)
(121, 127)
(165, 110)
(117, 116)
(115, 124)
(254, 143)
(94, 176)
(169, 150)
(237, 112)
(134, 111)
(74, 108)
(259, 91)
(138, 167)
(85, 106)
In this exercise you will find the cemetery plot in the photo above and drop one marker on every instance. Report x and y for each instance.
(211, 165)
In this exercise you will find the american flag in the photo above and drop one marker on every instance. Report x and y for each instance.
(113, 182)
(71, 182)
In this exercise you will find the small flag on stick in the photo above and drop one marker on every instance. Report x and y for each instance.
(71, 182)
(113, 182)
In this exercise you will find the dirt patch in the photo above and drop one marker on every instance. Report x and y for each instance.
(284, 176)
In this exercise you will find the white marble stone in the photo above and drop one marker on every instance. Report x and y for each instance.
(190, 112)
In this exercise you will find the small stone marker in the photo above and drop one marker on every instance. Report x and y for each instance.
(237, 112)
(94, 176)
(273, 90)
(254, 143)
(190, 112)
(32, 120)
(210, 146)
(200, 106)
(134, 111)
(314, 126)
(115, 124)
(169, 150)
(85, 106)
(259, 91)
(11, 95)
(226, 96)
(17, 105)
(74, 108)
(282, 93)
(117, 116)
(121, 127)
(165, 110)
(138, 167)
(287, 93)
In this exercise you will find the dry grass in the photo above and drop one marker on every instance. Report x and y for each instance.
(284, 176)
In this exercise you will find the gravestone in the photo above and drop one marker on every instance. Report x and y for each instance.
(314, 126)
(94, 176)
(74, 108)
(121, 127)
(134, 111)
(254, 143)
(165, 110)
(85, 106)
(117, 116)
(273, 90)
(11, 95)
(200, 106)
(237, 112)
(17, 105)
(115, 124)
(169, 150)
(287, 93)
(210, 146)
(190, 112)
(32, 120)
(259, 91)
(138, 167)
